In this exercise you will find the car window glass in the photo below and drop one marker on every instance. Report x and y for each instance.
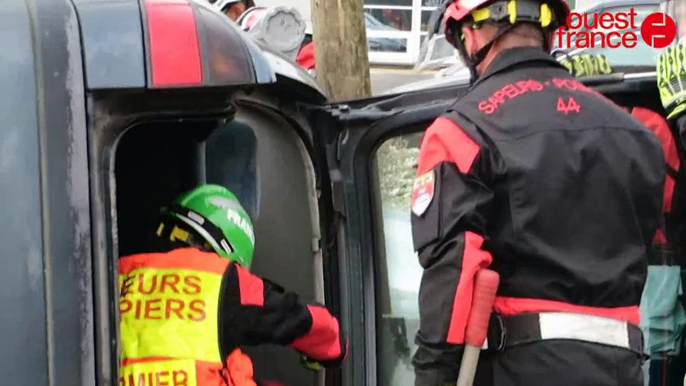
(399, 272)
(230, 156)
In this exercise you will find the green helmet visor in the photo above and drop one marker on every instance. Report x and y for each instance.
(175, 230)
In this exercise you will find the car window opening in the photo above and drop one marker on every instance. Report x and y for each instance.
(155, 162)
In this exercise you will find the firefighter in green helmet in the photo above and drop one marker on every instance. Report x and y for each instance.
(187, 309)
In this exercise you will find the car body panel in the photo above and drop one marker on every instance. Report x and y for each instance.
(300, 77)
(48, 324)
(23, 326)
(113, 44)
(116, 53)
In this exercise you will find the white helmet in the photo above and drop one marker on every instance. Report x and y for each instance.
(280, 28)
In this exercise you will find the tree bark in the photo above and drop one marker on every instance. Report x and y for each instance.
(340, 46)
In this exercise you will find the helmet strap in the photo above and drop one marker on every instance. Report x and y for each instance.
(176, 233)
(205, 229)
(472, 61)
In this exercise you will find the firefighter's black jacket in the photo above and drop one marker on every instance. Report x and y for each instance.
(545, 181)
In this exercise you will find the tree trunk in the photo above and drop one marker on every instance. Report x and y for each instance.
(340, 46)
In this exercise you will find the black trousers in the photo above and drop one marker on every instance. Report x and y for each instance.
(548, 363)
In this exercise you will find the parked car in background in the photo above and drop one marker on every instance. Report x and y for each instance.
(382, 44)
(373, 43)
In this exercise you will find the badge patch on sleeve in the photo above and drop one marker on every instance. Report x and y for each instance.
(422, 192)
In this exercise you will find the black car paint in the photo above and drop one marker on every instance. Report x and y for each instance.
(47, 326)
(23, 328)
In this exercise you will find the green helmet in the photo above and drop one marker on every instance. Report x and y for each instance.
(216, 215)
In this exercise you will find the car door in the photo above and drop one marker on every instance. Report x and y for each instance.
(370, 148)
(348, 136)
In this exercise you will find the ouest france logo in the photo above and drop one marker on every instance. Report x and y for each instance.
(616, 30)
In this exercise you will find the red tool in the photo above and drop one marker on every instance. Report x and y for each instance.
(485, 286)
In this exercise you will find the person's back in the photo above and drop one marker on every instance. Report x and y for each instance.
(570, 188)
(166, 311)
(661, 299)
(667, 243)
(549, 184)
(187, 310)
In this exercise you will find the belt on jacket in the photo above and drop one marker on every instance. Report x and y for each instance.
(509, 331)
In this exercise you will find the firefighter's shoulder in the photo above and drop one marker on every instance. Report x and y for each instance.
(448, 140)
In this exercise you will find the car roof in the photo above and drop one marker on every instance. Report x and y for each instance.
(114, 38)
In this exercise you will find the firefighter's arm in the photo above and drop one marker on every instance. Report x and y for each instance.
(671, 81)
(659, 126)
(257, 311)
(448, 223)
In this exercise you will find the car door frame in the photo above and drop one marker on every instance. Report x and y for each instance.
(347, 137)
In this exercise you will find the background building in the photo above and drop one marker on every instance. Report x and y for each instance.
(395, 28)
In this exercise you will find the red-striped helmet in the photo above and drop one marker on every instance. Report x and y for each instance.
(460, 9)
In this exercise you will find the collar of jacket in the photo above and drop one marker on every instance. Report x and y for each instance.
(518, 57)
